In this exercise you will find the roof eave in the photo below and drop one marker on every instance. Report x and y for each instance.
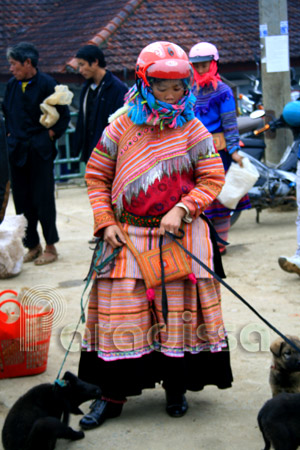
(106, 32)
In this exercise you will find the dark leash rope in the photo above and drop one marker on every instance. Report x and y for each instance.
(97, 266)
(217, 277)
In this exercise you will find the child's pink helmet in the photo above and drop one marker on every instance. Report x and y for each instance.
(203, 51)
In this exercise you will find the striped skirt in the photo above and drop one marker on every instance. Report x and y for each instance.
(122, 324)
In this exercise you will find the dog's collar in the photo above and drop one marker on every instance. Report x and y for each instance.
(275, 367)
(61, 383)
(282, 369)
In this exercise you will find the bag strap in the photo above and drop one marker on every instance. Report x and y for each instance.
(129, 242)
(8, 291)
(164, 298)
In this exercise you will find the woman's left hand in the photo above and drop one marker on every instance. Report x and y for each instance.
(172, 220)
(237, 158)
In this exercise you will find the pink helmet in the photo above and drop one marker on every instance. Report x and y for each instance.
(203, 51)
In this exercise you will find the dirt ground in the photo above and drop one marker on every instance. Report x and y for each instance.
(223, 420)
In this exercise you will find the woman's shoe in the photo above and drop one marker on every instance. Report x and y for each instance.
(177, 405)
(100, 411)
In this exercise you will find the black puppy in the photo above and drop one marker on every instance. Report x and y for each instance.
(34, 421)
(279, 422)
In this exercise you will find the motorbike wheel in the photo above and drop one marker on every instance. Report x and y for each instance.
(234, 216)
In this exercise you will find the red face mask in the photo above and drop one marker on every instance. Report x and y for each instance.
(210, 77)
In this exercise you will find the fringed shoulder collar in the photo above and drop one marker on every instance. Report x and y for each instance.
(144, 153)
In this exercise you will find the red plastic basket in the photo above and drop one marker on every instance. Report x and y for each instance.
(25, 333)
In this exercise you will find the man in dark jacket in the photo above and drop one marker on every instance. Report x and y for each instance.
(31, 149)
(4, 172)
(102, 94)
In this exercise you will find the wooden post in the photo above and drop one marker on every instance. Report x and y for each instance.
(275, 72)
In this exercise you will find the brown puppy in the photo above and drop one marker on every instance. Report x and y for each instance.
(285, 370)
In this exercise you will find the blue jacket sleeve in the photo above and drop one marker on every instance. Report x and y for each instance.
(229, 123)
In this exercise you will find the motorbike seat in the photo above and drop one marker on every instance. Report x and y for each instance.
(246, 124)
(253, 142)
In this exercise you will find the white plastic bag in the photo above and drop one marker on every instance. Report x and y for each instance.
(12, 230)
(238, 181)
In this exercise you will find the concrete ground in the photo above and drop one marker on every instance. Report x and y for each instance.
(223, 420)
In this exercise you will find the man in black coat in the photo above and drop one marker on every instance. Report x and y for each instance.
(102, 94)
(4, 171)
(31, 149)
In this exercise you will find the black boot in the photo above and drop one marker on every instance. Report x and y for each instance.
(100, 411)
(177, 405)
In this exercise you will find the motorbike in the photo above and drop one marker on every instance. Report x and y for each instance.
(247, 103)
(251, 143)
(276, 186)
(253, 101)
(295, 85)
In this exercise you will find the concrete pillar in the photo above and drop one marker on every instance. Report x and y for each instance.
(275, 85)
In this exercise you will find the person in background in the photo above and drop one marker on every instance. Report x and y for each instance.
(292, 263)
(154, 170)
(31, 149)
(4, 171)
(102, 94)
(215, 107)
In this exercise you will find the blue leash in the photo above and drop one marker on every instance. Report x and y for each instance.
(96, 267)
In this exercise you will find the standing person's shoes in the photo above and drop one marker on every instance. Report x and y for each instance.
(33, 253)
(177, 405)
(291, 265)
(48, 256)
(100, 411)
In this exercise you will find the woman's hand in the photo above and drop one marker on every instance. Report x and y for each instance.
(172, 220)
(237, 158)
(111, 235)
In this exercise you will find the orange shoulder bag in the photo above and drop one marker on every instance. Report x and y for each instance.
(161, 265)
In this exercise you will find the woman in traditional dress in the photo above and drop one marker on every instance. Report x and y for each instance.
(215, 107)
(154, 170)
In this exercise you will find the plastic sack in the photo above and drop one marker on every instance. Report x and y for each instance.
(12, 230)
(25, 331)
(61, 96)
(238, 181)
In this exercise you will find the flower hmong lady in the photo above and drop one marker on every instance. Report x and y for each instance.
(154, 170)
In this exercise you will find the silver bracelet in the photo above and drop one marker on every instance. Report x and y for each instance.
(187, 218)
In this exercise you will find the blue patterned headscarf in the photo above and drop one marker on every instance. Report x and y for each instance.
(143, 107)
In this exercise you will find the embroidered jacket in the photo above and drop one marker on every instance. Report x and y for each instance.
(216, 110)
(129, 158)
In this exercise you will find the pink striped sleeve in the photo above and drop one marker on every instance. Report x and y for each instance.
(99, 177)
